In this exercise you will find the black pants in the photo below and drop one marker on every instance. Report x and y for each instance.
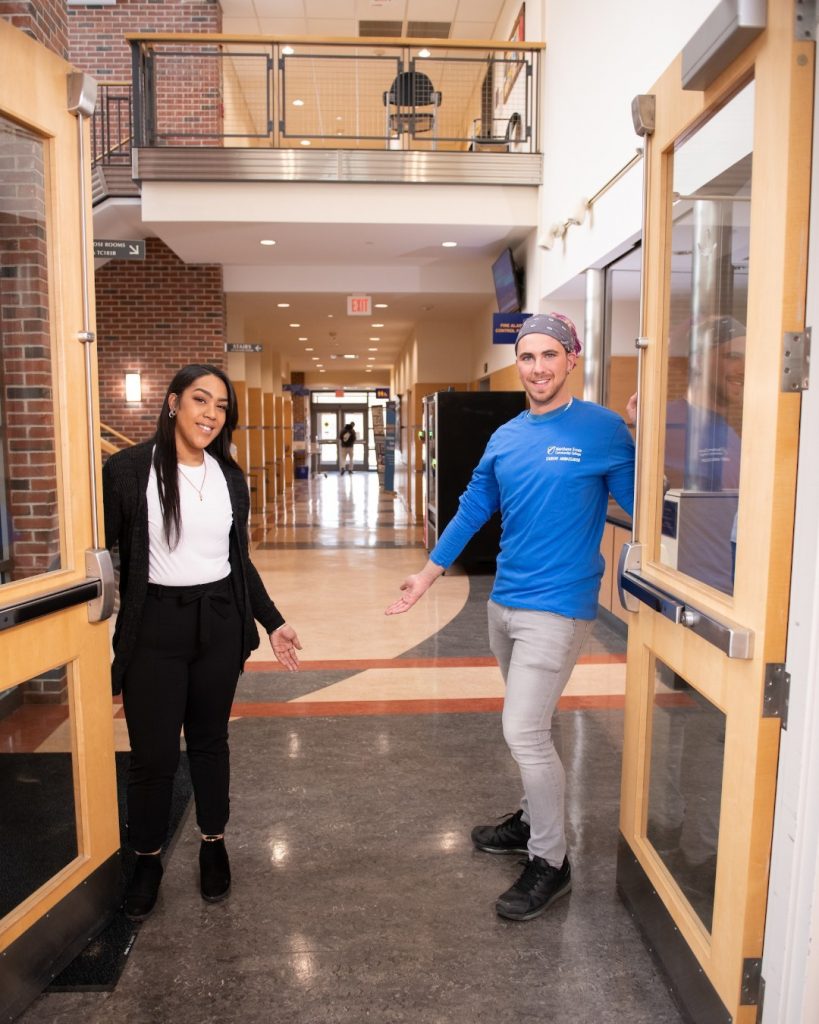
(182, 676)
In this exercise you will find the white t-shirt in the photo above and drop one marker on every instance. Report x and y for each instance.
(202, 554)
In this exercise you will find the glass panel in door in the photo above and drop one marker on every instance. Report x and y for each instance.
(38, 826)
(327, 431)
(30, 534)
(358, 420)
(685, 785)
(706, 346)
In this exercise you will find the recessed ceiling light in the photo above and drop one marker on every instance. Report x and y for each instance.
(298, 103)
(322, 371)
(294, 325)
(329, 316)
(369, 369)
(376, 325)
(371, 359)
(305, 142)
(375, 339)
(319, 365)
(373, 348)
(315, 358)
(347, 355)
(283, 305)
(302, 339)
(449, 245)
(424, 53)
(288, 50)
(381, 305)
(307, 349)
(267, 241)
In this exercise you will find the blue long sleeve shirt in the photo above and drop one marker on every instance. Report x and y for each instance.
(550, 476)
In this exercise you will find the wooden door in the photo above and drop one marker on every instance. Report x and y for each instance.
(59, 832)
(725, 251)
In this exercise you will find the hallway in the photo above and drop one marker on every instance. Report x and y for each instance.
(357, 894)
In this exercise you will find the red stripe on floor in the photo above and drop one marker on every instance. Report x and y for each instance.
(457, 705)
(363, 664)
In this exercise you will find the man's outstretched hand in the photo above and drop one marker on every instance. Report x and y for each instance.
(414, 587)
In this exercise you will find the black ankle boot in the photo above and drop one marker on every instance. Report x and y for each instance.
(140, 896)
(214, 869)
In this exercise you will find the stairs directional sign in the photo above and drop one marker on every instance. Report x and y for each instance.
(113, 249)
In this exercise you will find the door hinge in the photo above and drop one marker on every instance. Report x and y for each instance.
(777, 692)
(796, 360)
(804, 24)
(751, 981)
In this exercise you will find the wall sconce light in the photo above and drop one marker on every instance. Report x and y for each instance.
(133, 386)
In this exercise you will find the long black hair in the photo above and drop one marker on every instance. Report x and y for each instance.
(165, 460)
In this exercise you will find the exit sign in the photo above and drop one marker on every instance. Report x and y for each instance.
(359, 305)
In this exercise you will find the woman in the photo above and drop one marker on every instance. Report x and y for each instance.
(178, 508)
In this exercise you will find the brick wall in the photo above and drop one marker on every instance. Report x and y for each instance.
(27, 396)
(97, 34)
(43, 20)
(188, 89)
(153, 316)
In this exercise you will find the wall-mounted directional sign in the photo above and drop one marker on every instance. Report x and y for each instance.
(242, 346)
(117, 249)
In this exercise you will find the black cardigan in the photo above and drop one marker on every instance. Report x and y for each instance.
(124, 485)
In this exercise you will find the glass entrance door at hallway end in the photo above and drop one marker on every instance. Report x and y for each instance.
(707, 578)
(59, 827)
(329, 423)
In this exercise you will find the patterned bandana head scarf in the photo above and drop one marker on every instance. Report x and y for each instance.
(556, 326)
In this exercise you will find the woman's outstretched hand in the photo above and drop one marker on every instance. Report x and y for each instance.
(285, 643)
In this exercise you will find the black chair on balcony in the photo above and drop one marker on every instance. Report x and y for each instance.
(496, 134)
(409, 93)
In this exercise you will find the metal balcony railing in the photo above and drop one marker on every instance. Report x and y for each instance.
(112, 128)
(265, 92)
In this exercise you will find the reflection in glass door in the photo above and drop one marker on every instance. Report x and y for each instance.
(706, 349)
(30, 542)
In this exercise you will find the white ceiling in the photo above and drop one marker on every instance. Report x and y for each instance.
(471, 19)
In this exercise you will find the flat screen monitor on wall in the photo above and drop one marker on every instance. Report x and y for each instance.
(507, 280)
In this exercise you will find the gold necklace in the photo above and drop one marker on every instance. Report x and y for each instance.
(193, 485)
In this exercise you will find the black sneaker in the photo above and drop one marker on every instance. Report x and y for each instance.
(214, 869)
(536, 889)
(143, 889)
(511, 836)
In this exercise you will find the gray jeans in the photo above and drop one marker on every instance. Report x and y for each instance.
(536, 652)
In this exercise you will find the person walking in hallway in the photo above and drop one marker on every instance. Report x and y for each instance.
(177, 506)
(348, 439)
(549, 471)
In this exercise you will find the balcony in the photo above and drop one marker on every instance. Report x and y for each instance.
(238, 108)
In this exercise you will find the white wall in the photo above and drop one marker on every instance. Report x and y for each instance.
(600, 55)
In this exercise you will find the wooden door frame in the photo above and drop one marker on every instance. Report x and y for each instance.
(48, 928)
(705, 968)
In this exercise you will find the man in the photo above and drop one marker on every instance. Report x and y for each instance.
(347, 438)
(549, 471)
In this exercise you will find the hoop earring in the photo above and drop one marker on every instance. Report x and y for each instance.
(172, 413)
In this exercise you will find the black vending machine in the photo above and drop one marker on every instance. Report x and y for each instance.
(457, 427)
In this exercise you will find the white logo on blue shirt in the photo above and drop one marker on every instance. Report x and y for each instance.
(563, 453)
